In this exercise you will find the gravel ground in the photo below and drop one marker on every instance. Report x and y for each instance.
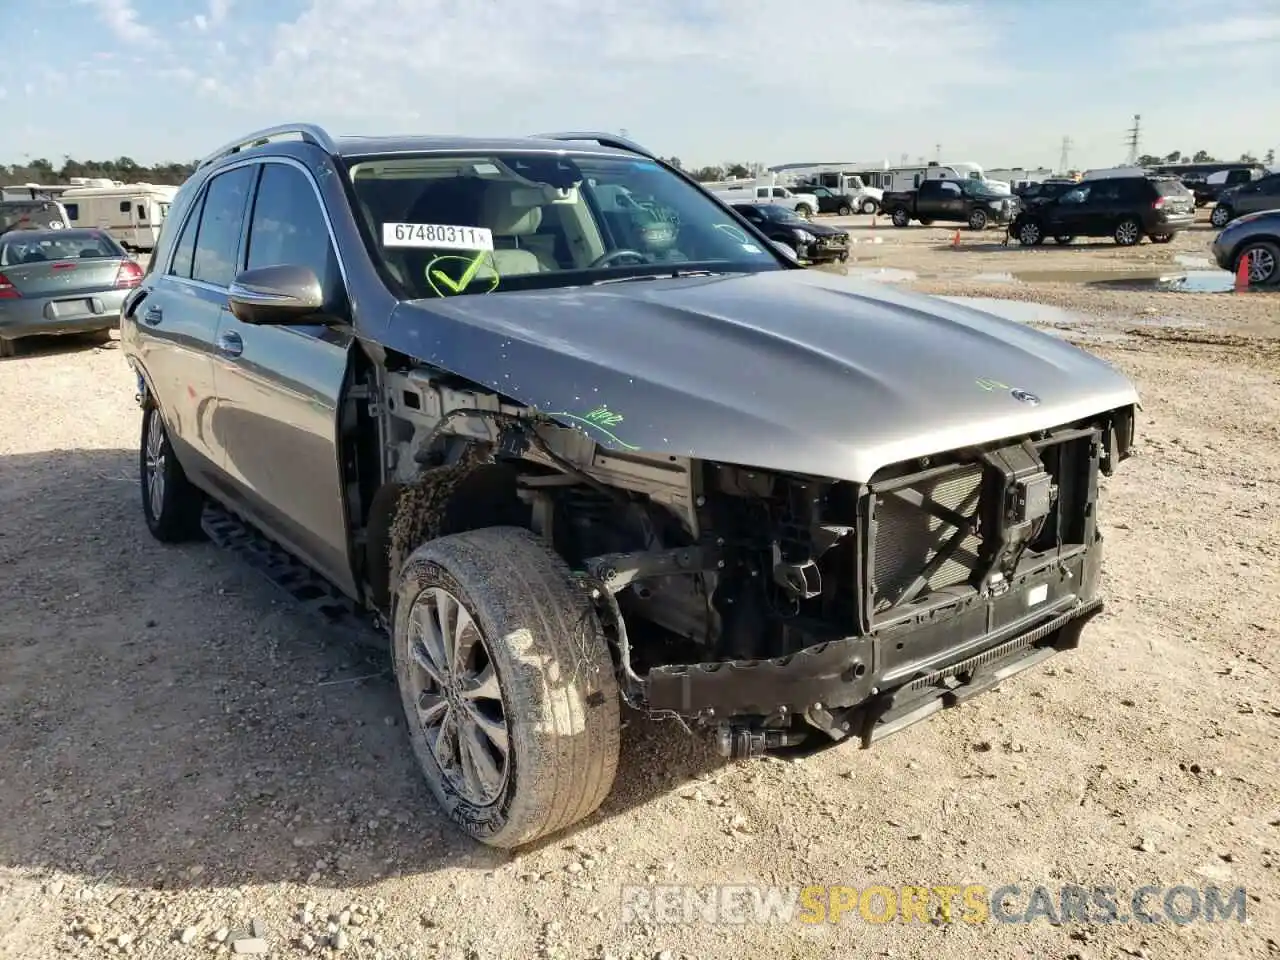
(192, 767)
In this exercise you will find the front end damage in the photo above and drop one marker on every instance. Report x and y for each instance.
(794, 612)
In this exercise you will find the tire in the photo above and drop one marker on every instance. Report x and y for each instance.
(978, 220)
(804, 210)
(869, 206)
(1063, 239)
(1162, 238)
(8, 348)
(1264, 262)
(1128, 233)
(538, 653)
(172, 509)
(901, 218)
(844, 210)
(1029, 233)
(926, 223)
(1220, 216)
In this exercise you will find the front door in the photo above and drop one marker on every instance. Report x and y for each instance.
(279, 387)
(178, 322)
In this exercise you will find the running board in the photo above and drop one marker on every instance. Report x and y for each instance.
(303, 585)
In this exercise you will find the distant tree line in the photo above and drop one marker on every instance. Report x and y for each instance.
(1203, 156)
(724, 171)
(125, 169)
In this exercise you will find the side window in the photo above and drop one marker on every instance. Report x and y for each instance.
(950, 189)
(184, 250)
(124, 206)
(142, 212)
(288, 226)
(779, 192)
(1105, 193)
(73, 210)
(1269, 186)
(221, 221)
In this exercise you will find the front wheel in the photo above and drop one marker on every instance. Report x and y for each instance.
(1220, 216)
(1063, 239)
(1128, 233)
(507, 683)
(844, 210)
(901, 218)
(1161, 237)
(804, 210)
(171, 504)
(869, 207)
(1264, 263)
(978, 220)
(1029, 233)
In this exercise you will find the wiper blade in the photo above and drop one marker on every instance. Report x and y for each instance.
(664, 275)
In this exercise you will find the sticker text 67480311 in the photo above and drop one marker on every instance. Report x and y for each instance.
(436, 236)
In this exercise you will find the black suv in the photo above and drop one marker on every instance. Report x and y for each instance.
(1126, 208)
(815, 242)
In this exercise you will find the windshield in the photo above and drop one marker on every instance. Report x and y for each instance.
(36, 246)
(983, 188)
(445, 225)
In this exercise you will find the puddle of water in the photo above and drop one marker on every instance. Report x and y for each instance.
(1165, 281)
(1192, 281)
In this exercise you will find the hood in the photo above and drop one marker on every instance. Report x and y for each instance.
(793, 370)
(818, 229)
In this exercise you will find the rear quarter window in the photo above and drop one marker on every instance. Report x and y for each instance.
(1170, 188)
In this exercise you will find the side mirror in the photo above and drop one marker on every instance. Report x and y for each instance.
(281, 294)
(783, 248)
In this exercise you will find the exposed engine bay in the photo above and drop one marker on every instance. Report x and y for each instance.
(786, 611)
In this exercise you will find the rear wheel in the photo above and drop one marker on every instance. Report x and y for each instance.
(507, 683)
(1220, 216)
(901, 218)
(978, 220)
(1128, 233)
(1264, 262)
(170, 503)
(844, 210)
(804, 210)
(1063, 239)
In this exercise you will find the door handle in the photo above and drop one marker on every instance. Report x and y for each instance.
(229, 344)
(152, 315)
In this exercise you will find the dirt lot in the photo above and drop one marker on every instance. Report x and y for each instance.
(185, 754)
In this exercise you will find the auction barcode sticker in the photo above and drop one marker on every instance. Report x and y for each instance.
(436, 236)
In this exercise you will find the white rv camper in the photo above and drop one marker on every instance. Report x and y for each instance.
(131, 212)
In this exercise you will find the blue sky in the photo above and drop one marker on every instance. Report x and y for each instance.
(996, 81)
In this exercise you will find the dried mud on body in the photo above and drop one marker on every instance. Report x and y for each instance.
(190, 762)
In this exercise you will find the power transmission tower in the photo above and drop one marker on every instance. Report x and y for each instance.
(1135, 138)
(937, 152)
(1064, 161)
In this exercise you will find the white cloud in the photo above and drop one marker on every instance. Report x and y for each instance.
(759, 68)
(122, 19)
(200, 21)
(217, 15)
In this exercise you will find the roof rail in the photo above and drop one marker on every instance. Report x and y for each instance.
(604, 139)
(307, 132)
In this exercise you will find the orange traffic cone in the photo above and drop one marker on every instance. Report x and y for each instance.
(955, 241)
(1242, 274)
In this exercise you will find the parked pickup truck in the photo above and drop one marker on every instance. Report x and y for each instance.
(802, 204)
(953, 201)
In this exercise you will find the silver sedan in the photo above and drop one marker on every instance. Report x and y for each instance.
(61, 281)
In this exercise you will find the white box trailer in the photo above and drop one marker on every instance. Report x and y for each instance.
(131, 212)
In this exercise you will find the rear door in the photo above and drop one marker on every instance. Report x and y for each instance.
(178, 321)
(1261, 195)
(279, 386)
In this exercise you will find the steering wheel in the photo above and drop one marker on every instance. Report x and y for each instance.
(607, 258)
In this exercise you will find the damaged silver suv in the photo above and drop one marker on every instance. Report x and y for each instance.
(568, 432)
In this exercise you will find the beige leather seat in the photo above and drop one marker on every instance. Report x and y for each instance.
(514, 213)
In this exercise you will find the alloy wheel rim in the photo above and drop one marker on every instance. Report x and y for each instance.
(1262, 265)
(1127, 232)
(1029, 233)
(455, 697)
(155, 462)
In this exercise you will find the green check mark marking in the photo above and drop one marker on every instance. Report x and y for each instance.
(438, 278)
